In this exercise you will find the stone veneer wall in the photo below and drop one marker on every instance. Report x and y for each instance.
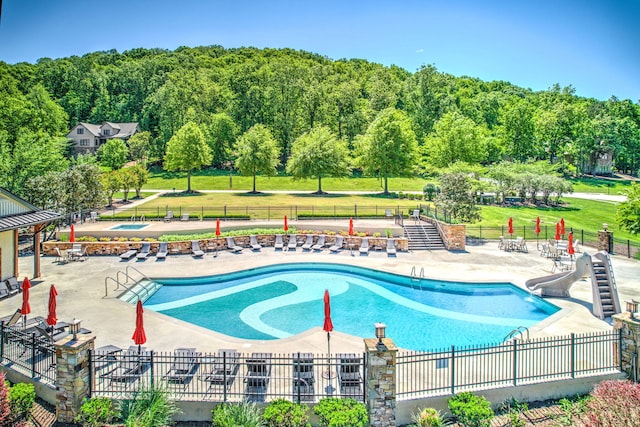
(454, 236)
(72, 375)
(381, 382)
(604, 237)
(184, 247)
(630, 342)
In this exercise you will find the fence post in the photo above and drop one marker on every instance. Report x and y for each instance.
(515, 362)
(628, 347)
(573, 355)
(73, 375)
(453, 369)
(2, 332)
(151, 368)
(33, 355)
(380, 374)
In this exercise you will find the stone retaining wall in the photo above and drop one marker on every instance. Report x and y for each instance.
(453, 235)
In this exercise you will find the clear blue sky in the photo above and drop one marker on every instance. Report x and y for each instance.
(592, 45)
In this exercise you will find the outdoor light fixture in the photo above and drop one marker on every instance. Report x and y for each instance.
(605, 226)
(632, 307)
(74, 327)
(380, 327)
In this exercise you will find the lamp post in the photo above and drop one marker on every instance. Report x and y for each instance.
(380, 333)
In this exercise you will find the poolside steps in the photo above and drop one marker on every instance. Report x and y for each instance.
(143, 290)
(422, 236)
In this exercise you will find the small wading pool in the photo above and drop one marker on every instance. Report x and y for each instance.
(283, 300)
(125, 227)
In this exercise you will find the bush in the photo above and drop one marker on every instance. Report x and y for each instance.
(21, 398)
(96, 412)
(237, 414)
(428, 417)
(148, 408)
(335, 412)
(5, 408)
(471, 410)
(283, 413)
(614, 403)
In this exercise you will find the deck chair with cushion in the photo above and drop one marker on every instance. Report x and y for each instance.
(162, 251)
(320, 244)
(13, 319)
(338, 245)
(105, 356)
(257, 377)
(144, 252)
(13, 284)
(129, 366)
(129, 254)
(303, 376)
(279, 244)
(195, 249)
(391, 247)
(349, 376)
(183, 367)
(253, 241)
(233, 247)
(364, 246)
(5, 292)
(224, 369)
(184, 217)
(293, 242)
(168, 217)
(308, 243)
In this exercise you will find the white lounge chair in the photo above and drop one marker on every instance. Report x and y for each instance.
(293, 242)
(415, 215)
(184, 217)
(129, 254)
(320, 244)
(231, 244)
(308, 243)
(391, 246)
(195, 249)
(144, 252)
(168, 217)
(279, 244)
(253, 241)
(364, 246)
(338, 245)
(162, 251)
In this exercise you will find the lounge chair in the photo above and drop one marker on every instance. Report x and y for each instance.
(144, 252)
(162, 251)
(185, 363)
(388, 213)
(391, 247)
(303, 376)
(13, 319)
(105, 356)
(320, 244)
(130, 365)
(308, 243)
(77, 253)
(293, 242)
(231, 244)
(349, 376)
(13, 284)
(258, 376)
(5, 292)
(224, 369)
(195, 249)
(129, 254)
(44, 334)
(364, 245)
(184, 217)
(168, 217)
(338, 245)
(279, 244)
(253, 241)
(415, 215)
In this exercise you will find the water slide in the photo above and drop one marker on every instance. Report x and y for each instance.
(558, 285)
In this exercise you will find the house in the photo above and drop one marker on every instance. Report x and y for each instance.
(16, 214)
(87, 137)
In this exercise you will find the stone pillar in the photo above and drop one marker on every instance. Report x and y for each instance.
(605, 241)
(630, 342)
(72, 375)
(381, 382)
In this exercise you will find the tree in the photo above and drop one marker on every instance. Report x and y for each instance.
(127, 179)
(139, 146)
(456, 138)
(316, 154)
(389, 148)
(187, 150)
(140, 177)
(113, 154)
(458, 197)
(220, 134)
(628, 214)
(111, 183)
(257, 153)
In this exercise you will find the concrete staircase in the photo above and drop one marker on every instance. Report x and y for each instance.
(422, 236)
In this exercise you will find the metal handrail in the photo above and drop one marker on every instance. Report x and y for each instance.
(118, 284)
(517, 331)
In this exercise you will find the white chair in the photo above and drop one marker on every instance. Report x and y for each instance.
(391, 246)
(293, 242)
(415, 215)
(364, 246)
(279, 244)
(253, 241)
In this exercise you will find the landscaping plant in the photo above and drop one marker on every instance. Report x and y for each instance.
(614, 403)
(149, 407)
(96, 412)
(471, 410)
(283, 413)
(428, 417)
(245, 414)
(21, 397)
(336, 412)
(513, 408)
(5, 407)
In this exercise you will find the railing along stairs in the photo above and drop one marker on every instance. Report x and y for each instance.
(139, 289)
(517, 332)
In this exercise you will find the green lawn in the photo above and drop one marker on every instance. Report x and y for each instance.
(599, 185)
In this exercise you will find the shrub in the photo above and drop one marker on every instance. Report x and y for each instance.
(471, 410)
(21, 398)
(283, 413)
(614, 403)
(237, 414)
(149, 407)
(428, 417)
(513, 408)
(5, 408)
(335, 412)
(96, 412)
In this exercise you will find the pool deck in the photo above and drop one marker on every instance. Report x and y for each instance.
(81, 292)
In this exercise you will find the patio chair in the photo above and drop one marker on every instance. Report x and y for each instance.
(364, 246)
(253, 241)
(224, 369)
(44, 334)
(349, 376)
(415, 215)
(388, 213)
(303, 376)
(105, 356)
(233, 247)
(168, 217)
(502, 244)
(13, 284)
(278, 244)
(184, 217)
(128, 254)
(184, 365)
(575, 246)
(391, 247)
(521, 245)
(129, 366)
(5, 292)
(162, 251)
(293, 242)
(144, 252)
(338, 245)
(195, 249)
(13, 319)
(258, 376)
(308, 243)
(320, 244)
(77, 253)
(60, 258)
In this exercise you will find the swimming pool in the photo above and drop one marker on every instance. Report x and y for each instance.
(286, 299)
(129, 227)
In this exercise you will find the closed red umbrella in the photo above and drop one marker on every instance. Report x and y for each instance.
(286, 225)
(52, 318)
(557, 231)
(218, 227)
(72, 234)
(570, 248)
(562, 230)
(26, 308)
(139, 337)
(538, 225)
(328, 327)
(350, 226)
(510, 223)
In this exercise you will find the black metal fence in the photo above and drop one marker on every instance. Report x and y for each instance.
(28, 353)
(511, 363)
(228, 376)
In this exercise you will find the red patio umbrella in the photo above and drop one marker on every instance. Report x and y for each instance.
(557, 231)
(510, 223)
(328, 327)
(286, 225)
(139, 337)
(570, 248)
(537, 231)
(218, 227)
(52, 318)
(72, 234)
(350, 226)
(26, 308)
(562, 230)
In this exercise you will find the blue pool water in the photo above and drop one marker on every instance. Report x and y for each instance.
(286, 299)
(122, 227)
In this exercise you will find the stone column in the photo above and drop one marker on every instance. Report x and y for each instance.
(381, 382)
(72, 375)
(605, 241)
(630, 342)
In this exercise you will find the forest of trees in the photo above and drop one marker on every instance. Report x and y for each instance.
(436, 119)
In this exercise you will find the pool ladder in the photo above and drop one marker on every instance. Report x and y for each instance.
(127, 277)
(133, 218)
(517, 332)
(415, 275)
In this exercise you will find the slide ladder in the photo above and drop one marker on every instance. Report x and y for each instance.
(605, 293)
